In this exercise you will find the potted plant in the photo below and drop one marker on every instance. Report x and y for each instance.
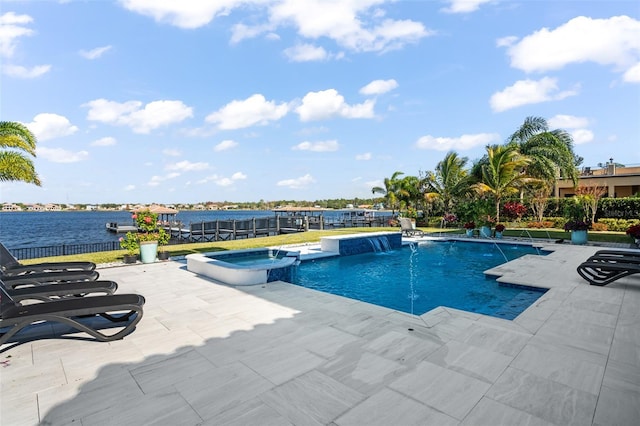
(130, 243)
(148, 235)
(634, 232)
(469, 226)
(486, 222)
(577, 223)
(499, 230)
(163, 240)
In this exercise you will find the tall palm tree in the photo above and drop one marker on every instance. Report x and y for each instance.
(550, 151)
(390, 190)
(449, 181)
(14, 165)
(503, 174)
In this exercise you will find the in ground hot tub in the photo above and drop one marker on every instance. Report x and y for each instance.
(245, 267)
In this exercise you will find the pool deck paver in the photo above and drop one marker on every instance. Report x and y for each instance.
(278, 354)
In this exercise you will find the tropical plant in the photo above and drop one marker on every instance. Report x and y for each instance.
(500, 227)
(502, 174)
(449, 181)
(539, 193)
(514, 210)
(390, 190)
(130, 243)
(576, 214)
(589, 195)
(469, 225)
(634, 231)
(550, 151)
(14, 165)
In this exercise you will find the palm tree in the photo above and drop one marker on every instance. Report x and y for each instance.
(503, 173)
(449, 181)
(550, 151)
(14, 165)
(390, 190)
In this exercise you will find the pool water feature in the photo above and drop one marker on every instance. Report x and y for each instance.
(422, 277)
(245, 267)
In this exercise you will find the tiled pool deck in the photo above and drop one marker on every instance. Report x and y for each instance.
(279, 354)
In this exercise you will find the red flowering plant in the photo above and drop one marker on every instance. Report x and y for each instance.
(634, 231)
(499, 227)
(470, 225)
(450, 218)
(147, 223)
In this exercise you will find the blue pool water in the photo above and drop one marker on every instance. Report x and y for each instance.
(422, 277)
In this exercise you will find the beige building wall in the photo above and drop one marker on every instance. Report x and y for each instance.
(619, 182)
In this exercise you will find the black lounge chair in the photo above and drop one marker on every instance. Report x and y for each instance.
(48, 292)
(11, 266)
(75, 312)
(406, 226)
(602, 272)
(39, 278)
(617, 255)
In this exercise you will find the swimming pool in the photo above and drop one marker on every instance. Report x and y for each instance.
(422, 277)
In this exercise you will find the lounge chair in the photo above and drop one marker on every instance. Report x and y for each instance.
(73, 312)
(11, 266)
(618, 255)
(48, 292)
(38, 278)
(406, 226)
(602, 272)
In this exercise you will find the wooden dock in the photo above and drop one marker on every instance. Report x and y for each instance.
(120, 228)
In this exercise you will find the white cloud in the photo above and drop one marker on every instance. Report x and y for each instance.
(255, 110)
(461, 143)
(378, 87)
(222, 180)
(107, 141)
(464, 6)
(613, 41)
(47, 126)
(581, 136)
(526, 92)
(172, 152)
(94, 53)
(329, 103)
(59, 155)
(351, 24)
(12, 27)
(18, 71)
(184, 14)
(141, 120)
(364, 156)
(297, 183)
(320, 146)
(579, 133)
(225, 145)
(632, 75)
(187, 166)
(562, 121)
(306, 53)
(157, 180)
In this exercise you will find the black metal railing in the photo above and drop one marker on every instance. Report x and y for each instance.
(63, 250)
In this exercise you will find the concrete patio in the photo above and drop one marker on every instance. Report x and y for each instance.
(278, 354)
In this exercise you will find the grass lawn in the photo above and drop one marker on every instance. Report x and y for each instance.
(314, 237)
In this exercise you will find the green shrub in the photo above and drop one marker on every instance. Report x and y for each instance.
(618, 225)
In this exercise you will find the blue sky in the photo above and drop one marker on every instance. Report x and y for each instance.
(191, 101)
